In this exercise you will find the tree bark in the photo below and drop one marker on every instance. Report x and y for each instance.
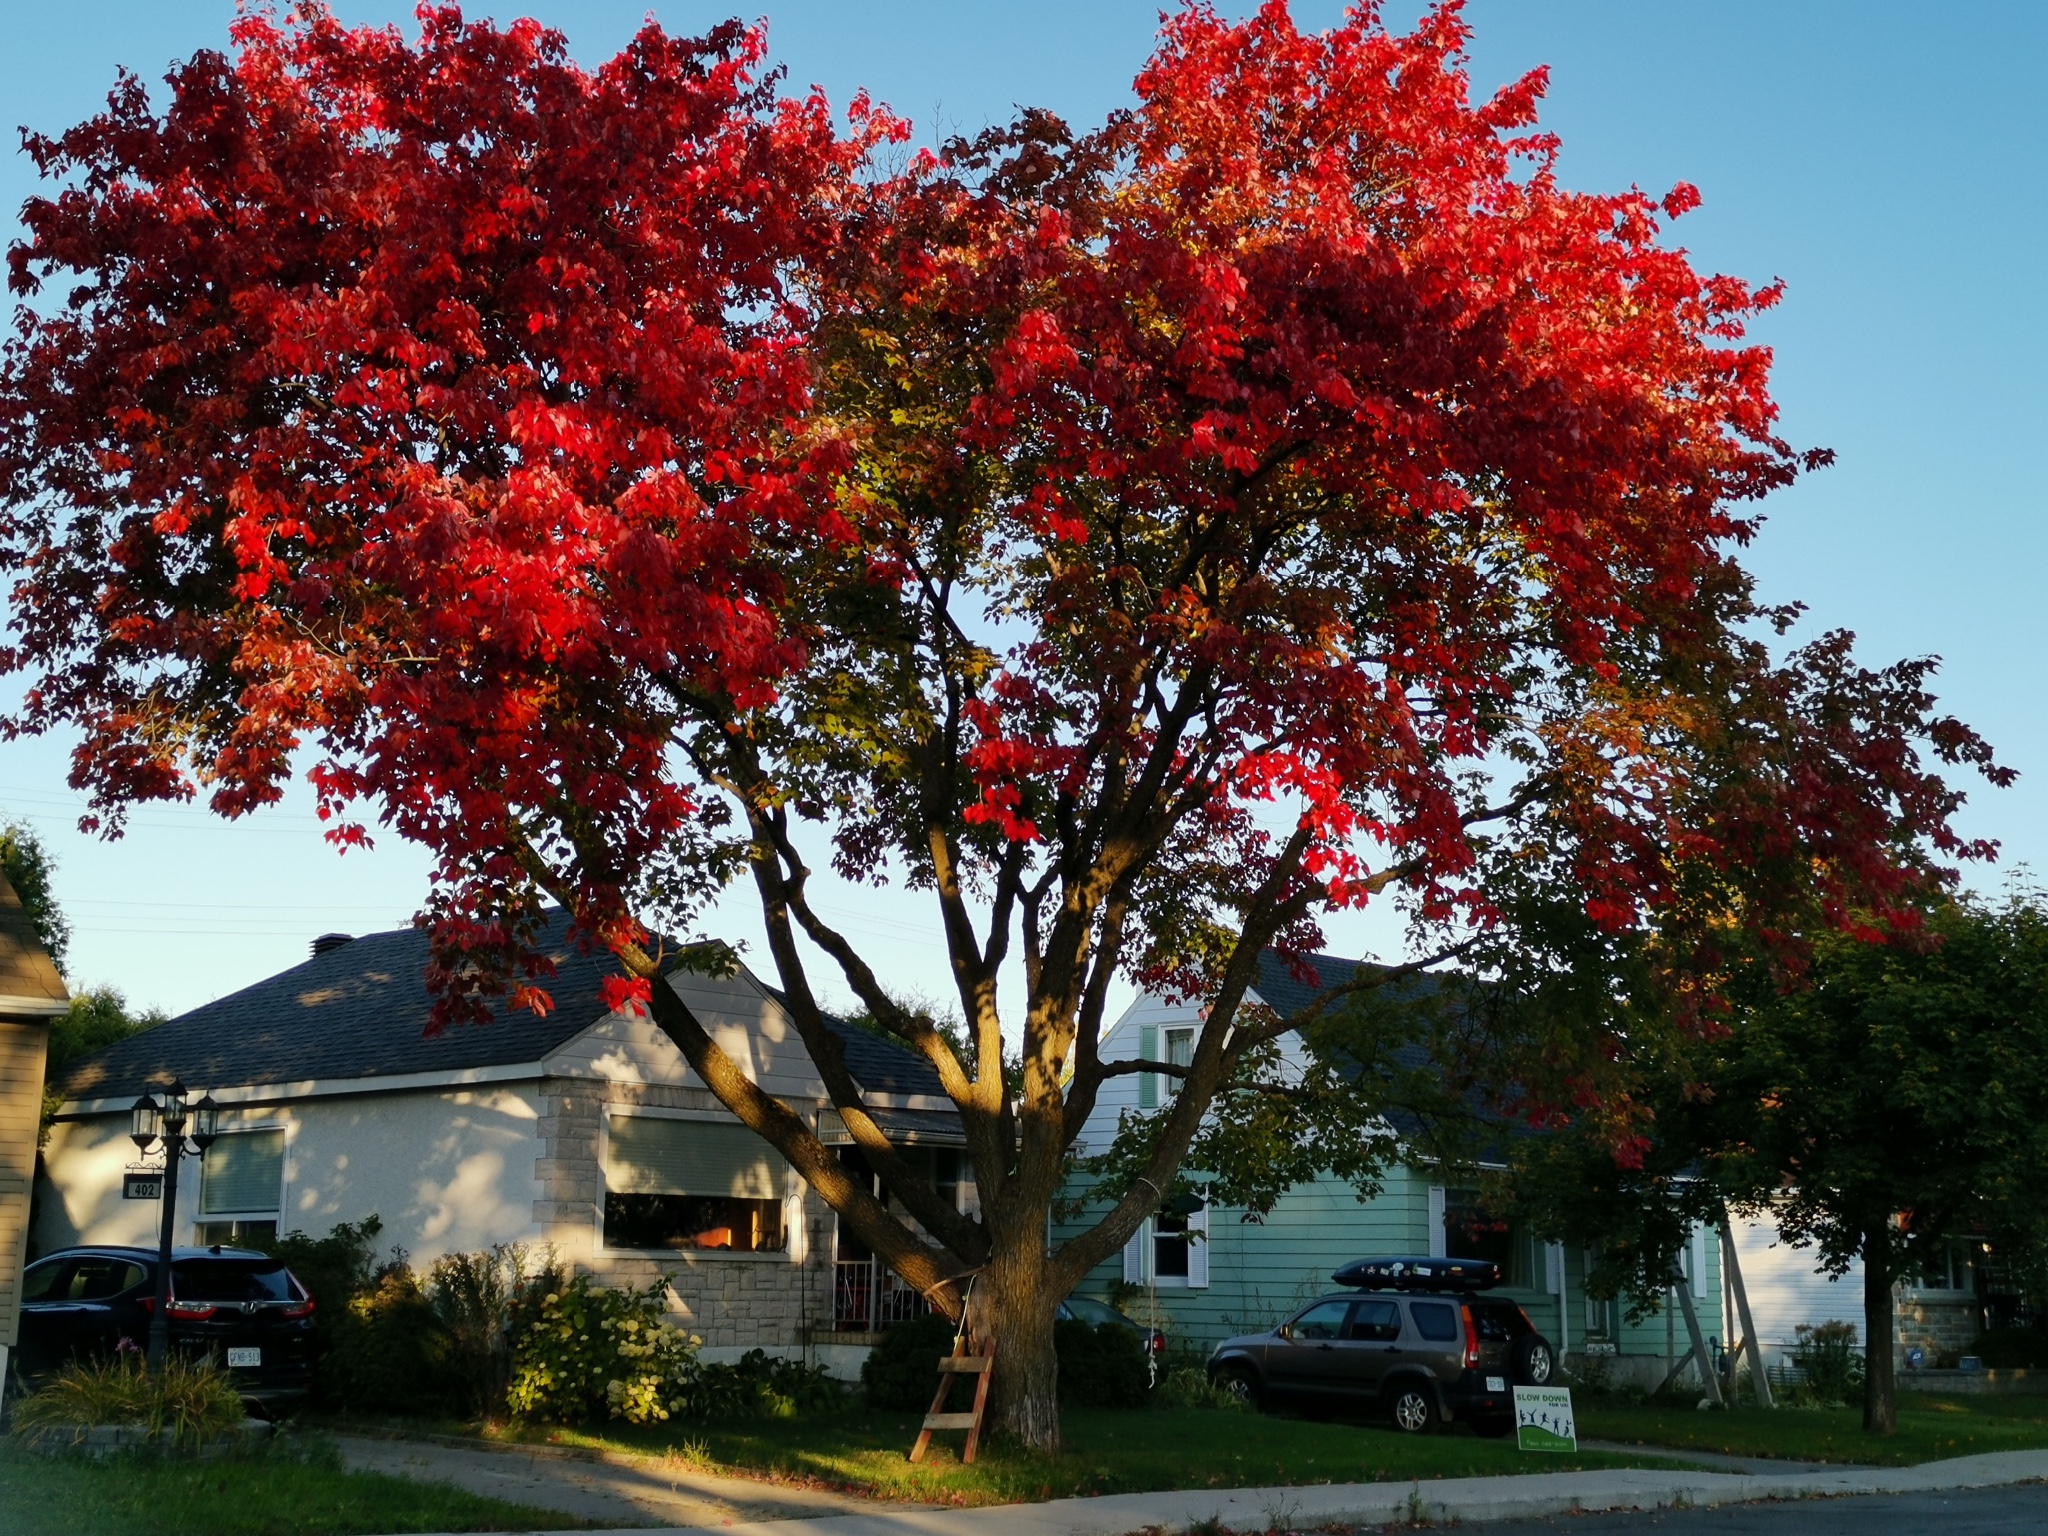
(1012, 1303)
(1880, 1381)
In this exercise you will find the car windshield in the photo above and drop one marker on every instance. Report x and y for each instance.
(1088, 1310)
(231, 1280)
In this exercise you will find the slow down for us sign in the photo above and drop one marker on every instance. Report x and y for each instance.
(1543, 1419)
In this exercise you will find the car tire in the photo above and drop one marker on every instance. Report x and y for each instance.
(1496, 1428)
(1243, 1384)
(1412, 1408)
(1535, 1361)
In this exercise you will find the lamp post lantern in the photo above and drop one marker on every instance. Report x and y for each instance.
(151, 1122)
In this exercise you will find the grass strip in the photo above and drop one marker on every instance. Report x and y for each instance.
(1106, 1452)
(1930, 1429)
(259, 1494)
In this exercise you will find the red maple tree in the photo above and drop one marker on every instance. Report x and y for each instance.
(1284, 497)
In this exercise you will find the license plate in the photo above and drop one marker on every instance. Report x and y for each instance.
(1493, 1383)
(242, 1359)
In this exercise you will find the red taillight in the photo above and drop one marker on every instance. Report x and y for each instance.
(1158, 1343)
(1471, 1338)
(190, 1311)
(298, 1309)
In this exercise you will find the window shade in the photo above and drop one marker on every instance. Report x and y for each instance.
(242, 1171)
(650, 1156)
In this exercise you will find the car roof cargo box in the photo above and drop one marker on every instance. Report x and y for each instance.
(1413, 1274)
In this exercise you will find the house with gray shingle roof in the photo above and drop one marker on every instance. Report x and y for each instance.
(581, 1128)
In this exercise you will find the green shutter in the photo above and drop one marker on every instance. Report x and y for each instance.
(1148, 1082)
(655, 1156)
(242, 1172)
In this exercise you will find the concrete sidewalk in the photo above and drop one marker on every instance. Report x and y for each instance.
(643, 1491)
(1464, 1499)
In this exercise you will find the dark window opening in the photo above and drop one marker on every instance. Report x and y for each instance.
(1169, 1246)
(712, 1222)
(1473, 1232)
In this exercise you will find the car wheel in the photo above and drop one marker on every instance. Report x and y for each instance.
(1241, 1384)
(1413, 1409)
(1535, 1361)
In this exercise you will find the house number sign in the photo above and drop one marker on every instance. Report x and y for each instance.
(142, 1184)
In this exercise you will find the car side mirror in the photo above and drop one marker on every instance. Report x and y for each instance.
(1285, 1330)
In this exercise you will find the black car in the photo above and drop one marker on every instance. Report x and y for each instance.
(245, 1310)
(1432, 1351)
(1085, 1309)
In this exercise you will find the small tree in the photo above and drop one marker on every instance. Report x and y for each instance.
(1146, 543)
(1889, 1106)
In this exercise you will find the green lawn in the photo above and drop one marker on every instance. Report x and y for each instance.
(259, 1495)
(1930, 1429)
(1109, 1452)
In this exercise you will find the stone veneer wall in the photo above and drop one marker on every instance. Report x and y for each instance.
(730, 1300)
(1945, 1329)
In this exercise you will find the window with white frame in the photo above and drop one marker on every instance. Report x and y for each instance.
(1172, 1249)
(241, 1187)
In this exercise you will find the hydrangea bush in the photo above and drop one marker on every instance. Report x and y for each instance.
(588, 1352)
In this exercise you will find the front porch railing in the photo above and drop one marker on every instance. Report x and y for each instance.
(867, 1296)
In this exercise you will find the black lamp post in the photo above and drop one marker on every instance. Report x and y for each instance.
(150, 1123)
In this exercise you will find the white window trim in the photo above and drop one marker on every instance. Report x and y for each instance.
(796, 1238)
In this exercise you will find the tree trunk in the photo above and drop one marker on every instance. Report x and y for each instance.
(1880, 1381)
(1013, 1305)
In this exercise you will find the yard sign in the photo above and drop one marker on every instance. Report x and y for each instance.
(1543, 1419)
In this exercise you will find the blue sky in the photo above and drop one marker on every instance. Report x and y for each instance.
(1889, 161)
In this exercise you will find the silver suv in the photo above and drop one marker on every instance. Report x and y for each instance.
(1430, 1353)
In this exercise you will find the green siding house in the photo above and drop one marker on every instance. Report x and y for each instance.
(1212, 1273)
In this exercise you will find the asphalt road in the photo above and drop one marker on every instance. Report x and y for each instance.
(2021, 1510)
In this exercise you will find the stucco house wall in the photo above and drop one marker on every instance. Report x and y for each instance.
(460, 1158)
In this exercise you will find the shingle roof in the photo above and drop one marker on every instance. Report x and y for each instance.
(27, 978)
(361, 1010)
(882, 1066)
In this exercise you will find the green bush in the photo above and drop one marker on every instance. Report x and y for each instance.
(1188, 1386)
(902, 1370)
(477, 1300)
(334, 1269)
(1832, 1361)
(1100, 1367)
(2012, 1349)
(388, 1352)
(759, 1386)
(590, 1352)
(187, 1403)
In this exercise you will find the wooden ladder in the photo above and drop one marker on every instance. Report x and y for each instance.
(968, 1361)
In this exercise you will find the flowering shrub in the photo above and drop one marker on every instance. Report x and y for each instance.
(588, 1351)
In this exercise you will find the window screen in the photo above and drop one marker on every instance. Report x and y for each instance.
(243, 1171)
(650, 1156)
